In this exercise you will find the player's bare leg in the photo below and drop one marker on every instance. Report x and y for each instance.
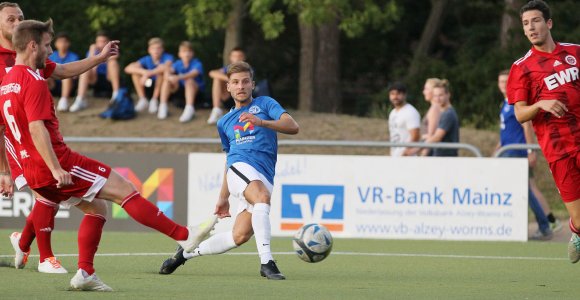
(154, 102)
(218, 93)
(114, 76)
(574, 244)
(191, 89)
(142, 103)
(87, 78)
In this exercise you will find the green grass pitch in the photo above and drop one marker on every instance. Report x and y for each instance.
(357, 269)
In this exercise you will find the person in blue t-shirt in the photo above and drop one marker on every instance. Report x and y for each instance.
(512, 132)
(62, 88)
(147, 74)
(219, 92)
(249, 138)
(105, 78)
(185, 80)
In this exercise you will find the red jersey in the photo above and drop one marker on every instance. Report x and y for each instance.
(547, 76)
(8, 57)
(7, 60)
(24, 98)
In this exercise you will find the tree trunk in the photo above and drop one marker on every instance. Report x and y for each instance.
(233, 36)
(430, 32)
(509, 22)
(306, 84)
(327, 97)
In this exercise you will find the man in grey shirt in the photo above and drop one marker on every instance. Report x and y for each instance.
(448, 128)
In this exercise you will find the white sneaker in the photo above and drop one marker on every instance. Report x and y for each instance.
(78, 105)
(188, 113)
(20, 257)
(62, 104)
(51, 265)
(197, 234)
(142, 104)
(215, 115)
(153, 105)
(89, 283)
(162, 111)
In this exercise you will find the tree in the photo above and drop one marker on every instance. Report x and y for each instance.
(509, 22)
(430, 32)
(320, 24)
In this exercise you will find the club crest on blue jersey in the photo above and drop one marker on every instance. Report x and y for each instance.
(254, 110)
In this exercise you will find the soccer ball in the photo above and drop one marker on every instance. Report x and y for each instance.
(312, 243)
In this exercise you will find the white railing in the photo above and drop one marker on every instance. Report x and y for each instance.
(166, 140)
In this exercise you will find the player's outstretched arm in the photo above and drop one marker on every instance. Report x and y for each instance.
(286, 124)
(41, 140)
(222, 208)
(63, 71)
(6, 184)
(525, 112)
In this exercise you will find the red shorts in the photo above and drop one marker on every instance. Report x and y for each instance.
(88, 177)
(566, 174)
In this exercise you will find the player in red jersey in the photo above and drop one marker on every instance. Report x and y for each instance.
(40, 222)
(544, 87)
(55, 171)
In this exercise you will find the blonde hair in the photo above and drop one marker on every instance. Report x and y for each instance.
(187, 45)
(155, 40)
(444, 84)
(240, 67)
(432, 81)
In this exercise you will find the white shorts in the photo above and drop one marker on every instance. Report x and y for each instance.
(239, 175)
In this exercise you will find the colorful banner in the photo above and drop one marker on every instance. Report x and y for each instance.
(160, 178)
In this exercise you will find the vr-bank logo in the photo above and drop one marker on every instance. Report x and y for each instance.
(302, 204)
(161, 180)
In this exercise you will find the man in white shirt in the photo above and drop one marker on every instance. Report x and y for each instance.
(404, 121)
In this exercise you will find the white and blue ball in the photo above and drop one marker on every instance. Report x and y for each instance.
(312, 243)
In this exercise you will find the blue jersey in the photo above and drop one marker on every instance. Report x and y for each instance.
(69, 57)
(102, 67)
(511, 131)
(180, 68)
(254, 145)
(148, 63)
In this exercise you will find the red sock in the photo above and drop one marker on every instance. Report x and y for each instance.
(27, 235)
(149, 215)
(89, 238)
(576, 231)
(43, 219)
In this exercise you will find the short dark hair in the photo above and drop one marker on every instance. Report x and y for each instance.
(30, 30)
(240, 67)
(186, 44)
(240, 49)
(504, 72)
(398, 86)
(537, 5)
(62, 35)
(103, 33)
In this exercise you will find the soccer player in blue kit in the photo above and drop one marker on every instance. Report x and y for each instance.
(249, 137)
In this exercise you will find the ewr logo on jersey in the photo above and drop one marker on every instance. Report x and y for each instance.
(565, 76)
(303, 204)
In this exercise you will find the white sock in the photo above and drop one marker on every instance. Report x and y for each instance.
(216, 244)
(78, 99)
(115, 93)
(262, 231)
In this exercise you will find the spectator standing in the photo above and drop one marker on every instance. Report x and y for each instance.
(404, 120)
(448, 127)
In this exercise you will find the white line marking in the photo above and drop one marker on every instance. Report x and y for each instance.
(482, 257)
